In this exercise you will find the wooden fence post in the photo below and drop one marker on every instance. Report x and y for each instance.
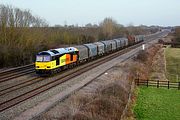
(158, 84)
(138, 81)
(147, 82)
(179, 86)
(168, 84)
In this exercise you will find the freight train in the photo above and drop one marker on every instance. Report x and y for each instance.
(55, 60)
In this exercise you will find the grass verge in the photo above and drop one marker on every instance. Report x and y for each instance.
(173, 63)
(157, 104)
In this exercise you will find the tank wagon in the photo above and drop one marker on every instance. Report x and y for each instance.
(55, 60)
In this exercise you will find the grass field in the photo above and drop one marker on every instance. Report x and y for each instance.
(157, 104)
(173, 63)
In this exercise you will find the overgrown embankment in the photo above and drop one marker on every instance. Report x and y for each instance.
(143, 64)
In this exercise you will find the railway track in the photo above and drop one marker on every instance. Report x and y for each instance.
(11, 70)
(65, 77)
(20, 85)
(16, 75)
(10, 74)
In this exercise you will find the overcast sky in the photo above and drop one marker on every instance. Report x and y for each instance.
(81, 12)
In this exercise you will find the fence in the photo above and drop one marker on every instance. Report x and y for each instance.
(173, 44)
(157, 83)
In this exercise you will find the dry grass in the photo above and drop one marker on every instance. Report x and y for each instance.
(158, 71)
(172, 63)
(108, 103)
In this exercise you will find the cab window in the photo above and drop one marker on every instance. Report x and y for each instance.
(43, 58)
(39, 58)
(46, 58)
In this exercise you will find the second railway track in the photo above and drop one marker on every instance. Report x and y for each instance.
(13, 73)
(17, 69)
(12, 76)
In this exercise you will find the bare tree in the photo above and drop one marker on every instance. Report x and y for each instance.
(108, 27)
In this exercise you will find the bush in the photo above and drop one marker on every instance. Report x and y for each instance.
(142, 56)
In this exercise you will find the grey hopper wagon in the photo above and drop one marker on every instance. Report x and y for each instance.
(118, 43)
(124, 42)
(141, 38)
(83, 52)
(100, 48)
(108, 46)
(113, 45)
(92, 50)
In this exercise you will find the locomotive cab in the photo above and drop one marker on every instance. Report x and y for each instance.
(43, 62)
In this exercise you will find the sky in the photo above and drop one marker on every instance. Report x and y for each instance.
(81, 12)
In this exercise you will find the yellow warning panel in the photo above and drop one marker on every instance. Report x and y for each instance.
(63, 60)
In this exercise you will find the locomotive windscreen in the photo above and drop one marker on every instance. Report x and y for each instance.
(43, 58)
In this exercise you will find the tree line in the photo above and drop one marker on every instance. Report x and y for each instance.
(23, 35)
